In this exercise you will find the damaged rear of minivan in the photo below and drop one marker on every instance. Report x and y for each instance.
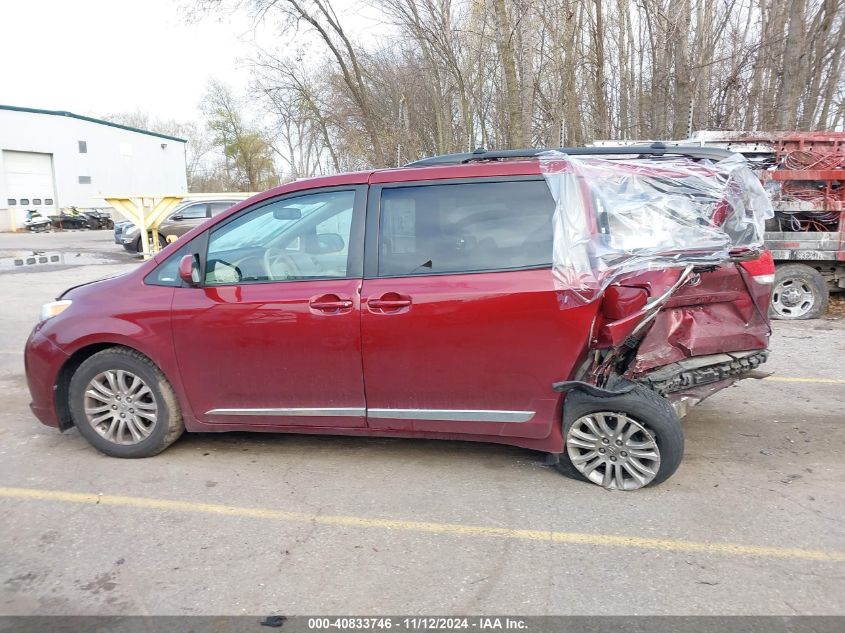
(672, 248)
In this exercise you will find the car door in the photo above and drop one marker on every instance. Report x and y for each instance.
(463, 329)
(272, 336)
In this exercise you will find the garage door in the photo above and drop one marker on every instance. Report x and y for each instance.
(29, 183)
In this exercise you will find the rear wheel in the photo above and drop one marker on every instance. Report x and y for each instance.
(622, 442)
(123, 405)
(799, 292)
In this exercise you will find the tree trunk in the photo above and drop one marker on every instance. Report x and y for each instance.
(504, 44)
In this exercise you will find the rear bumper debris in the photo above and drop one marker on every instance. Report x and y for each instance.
(702, 370)
(688, 382)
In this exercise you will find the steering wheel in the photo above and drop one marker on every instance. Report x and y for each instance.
(279, 265)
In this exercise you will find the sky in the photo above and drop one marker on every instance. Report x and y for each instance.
(98, 57)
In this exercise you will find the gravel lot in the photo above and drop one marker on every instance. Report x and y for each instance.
(248, 523)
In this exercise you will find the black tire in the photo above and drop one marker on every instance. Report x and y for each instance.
(643, 405)
(136, 245)
(168, 426)
(801, 279)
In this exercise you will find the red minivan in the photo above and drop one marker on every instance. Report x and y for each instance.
(411, 302)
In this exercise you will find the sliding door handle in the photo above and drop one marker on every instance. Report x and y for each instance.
(389, 302)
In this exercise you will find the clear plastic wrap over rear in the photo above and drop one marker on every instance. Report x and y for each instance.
(614, 217)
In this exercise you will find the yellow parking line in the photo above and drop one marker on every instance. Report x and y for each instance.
(823, 381)
(449, 529)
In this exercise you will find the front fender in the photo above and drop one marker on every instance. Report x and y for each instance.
(97, 320)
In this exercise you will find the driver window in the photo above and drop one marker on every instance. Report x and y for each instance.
(306, 237)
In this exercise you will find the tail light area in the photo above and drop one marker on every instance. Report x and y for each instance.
(622, 301)
(762, 269)
(718, 309)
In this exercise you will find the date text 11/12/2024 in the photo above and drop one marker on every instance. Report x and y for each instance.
(418, 623)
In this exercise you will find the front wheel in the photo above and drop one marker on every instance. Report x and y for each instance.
(622, 442)
(123, 405)
(136, 245)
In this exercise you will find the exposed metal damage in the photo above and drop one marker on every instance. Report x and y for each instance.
(673, 249)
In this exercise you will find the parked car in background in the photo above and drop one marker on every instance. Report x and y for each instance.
(186, 216)
(421, 302)
(119, 228)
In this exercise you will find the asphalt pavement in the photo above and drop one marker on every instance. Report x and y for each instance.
(257, 523)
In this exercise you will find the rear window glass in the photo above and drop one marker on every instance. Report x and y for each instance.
(465, 227)
(219, 207)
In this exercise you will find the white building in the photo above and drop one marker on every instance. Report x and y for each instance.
(51, 159)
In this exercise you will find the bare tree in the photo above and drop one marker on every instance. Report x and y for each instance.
(509, 73)
(248, 156)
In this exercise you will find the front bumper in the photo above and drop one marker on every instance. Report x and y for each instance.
(43, 360)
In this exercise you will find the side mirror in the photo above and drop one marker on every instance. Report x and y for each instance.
(189, 270)
(177, 218)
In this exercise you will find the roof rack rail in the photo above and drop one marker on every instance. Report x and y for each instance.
(654, 149)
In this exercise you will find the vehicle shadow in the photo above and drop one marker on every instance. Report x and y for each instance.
(400, 450)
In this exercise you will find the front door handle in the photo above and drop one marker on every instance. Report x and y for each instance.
(390, 301)
(330, 304)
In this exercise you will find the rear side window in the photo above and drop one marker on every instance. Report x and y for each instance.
(466, 227)
(219, 207)
(24, 200)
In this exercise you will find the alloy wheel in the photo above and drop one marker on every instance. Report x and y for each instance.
(120, 407)
(613, 450)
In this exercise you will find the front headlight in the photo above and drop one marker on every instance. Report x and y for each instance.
(131, 230)
(54, 308)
